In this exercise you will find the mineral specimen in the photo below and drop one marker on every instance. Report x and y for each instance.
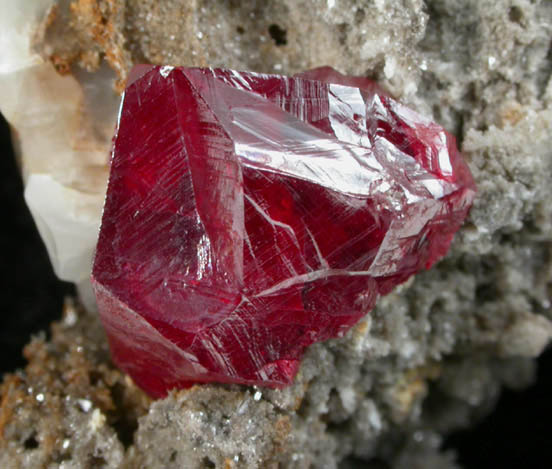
(430, 358)
(251, 215)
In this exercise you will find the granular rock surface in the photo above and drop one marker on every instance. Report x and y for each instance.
(433, 355)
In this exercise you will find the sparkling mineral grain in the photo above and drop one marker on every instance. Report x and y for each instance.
(248, 216)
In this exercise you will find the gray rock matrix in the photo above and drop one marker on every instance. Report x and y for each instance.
(434, 354)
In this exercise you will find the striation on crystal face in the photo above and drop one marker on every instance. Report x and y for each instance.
(249, 216)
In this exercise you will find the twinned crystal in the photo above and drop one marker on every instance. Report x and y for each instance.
(249, 216)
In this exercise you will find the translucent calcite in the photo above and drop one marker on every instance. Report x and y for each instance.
(248, 216)
(62, 127)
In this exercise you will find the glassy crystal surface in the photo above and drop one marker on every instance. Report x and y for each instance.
(248, 216)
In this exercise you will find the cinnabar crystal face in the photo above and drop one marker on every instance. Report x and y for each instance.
(249, 216)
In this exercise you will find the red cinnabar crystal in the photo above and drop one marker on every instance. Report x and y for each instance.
(248, 216)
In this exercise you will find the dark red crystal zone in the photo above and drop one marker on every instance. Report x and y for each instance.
(249, 216)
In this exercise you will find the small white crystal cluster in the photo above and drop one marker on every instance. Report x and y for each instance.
(434, 354)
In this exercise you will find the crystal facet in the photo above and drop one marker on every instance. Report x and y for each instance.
(248, 216)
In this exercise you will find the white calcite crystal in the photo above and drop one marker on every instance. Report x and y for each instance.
(62, 126)
(19, 24)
